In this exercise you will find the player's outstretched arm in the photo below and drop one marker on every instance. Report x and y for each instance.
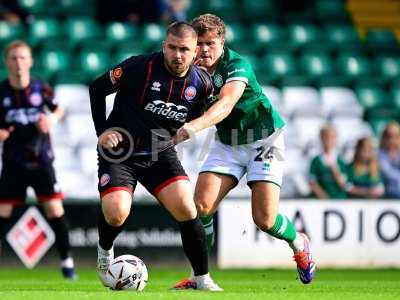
(229, 95)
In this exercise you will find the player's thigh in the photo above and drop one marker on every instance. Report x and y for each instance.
(177, 198)
(210, 189)
(264, 203)
(116, 186)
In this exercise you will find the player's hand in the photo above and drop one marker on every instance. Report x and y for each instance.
(183, 134)
(5, 133)
(110, 139)
(44, 124)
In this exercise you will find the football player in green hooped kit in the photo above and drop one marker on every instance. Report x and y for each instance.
(249, 140)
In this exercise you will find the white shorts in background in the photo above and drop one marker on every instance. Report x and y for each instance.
(262, 160)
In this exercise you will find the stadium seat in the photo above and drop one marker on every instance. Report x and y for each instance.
(378, 37)
(316, 63)
(302, 34)
(353, 64)
(258, 10)
(341, 36)
(268, 35)
(43, 30)
(235, 37)
(274, 95)
(226, 9)
(93, 62)
(395, 94)
(10, 31)
(349, 130)
(340, 101)
(388, 66)
(74, 97)
(117, 32)
(279, 64)
(35, 7)
(81, 29)
(301, 100)
(55, 61)
(68, 8)
(123, 53)
(372, 96)
(152, 35)
(330, 10)
(307, 131)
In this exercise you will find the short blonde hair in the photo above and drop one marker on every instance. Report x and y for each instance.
(16, 44)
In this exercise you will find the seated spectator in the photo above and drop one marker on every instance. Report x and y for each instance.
(364, 179)
(389, 160)
(328, 170)
(176, 10)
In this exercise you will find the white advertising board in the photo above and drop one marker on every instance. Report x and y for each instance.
(346, 233)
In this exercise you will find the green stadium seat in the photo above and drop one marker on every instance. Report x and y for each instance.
(3, 73)
(302, 34)
(226, 9)
(258, 10)
(330, 10)
(43, 29)
(117, 32)
(55, 60)
(236, 36)
(277, 65)
(125, 51)
(353, 64)
(68, 8)
(152, 35)
(342, 36)
(93, 63)
(388, 66)
(9, 32)
(268, 35)
(316, 63)
(381, 36)
(79, 29)
(35, 7)
(395, 93)
(372, 96)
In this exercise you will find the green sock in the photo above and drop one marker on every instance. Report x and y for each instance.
(208, 225)
(283, 229)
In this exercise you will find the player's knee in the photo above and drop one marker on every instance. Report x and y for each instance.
(264, 222)
(203, 208)
(116, 217)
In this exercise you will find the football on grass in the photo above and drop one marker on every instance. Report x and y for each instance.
(127, 272)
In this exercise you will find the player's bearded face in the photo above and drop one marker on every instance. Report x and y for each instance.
(19, 61)
(211, 47)
(179, 53)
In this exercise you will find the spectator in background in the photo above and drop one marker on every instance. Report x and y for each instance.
(11, 11)
(364, 179)
(176, 10)
(389, 159)
(328, 170)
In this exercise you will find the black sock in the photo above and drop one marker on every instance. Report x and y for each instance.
(107, 233)
(4, 223)
(60, 228)
(195, 245)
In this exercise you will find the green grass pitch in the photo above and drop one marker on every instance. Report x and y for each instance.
(45, 283)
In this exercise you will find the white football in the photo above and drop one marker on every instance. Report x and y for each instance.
(127, 272)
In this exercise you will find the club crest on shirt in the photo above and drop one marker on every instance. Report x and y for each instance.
(190, 93)
(104, 179)
(35, 99)
(218, 81)
(115, 74)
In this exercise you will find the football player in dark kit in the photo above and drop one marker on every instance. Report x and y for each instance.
(27, 112)
(156, 94)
